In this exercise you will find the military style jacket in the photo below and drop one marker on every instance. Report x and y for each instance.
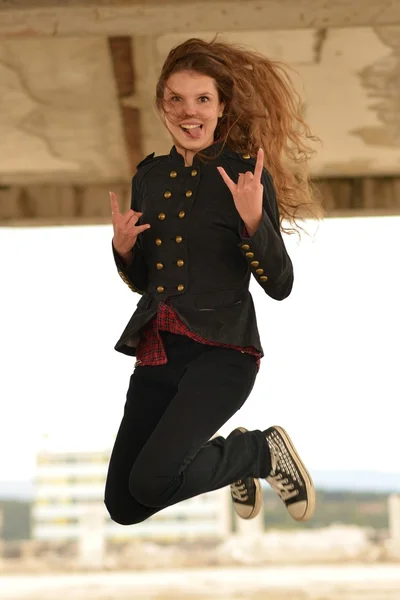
(196, 253)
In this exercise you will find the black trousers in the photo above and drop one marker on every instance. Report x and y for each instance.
(163, 453)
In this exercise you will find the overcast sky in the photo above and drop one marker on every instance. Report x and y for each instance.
(330, 375)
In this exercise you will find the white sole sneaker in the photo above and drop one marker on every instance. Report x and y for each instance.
(289, 477)
(246, 493)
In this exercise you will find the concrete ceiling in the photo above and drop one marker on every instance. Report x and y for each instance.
(155, 17)
(77, 83)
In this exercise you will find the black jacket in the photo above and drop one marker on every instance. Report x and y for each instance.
(195, 253)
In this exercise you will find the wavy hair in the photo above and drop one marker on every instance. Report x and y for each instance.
(262, 109)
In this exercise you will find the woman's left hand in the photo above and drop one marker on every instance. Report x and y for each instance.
(248, 193)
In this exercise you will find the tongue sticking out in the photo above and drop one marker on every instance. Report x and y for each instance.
(194, 134)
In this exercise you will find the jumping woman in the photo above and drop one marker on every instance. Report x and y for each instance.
(204, 219)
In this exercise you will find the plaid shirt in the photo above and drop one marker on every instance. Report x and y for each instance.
(150, 350)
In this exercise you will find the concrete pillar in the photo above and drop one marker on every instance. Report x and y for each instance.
(251, 527)
(224, 521)
(91, 538)
(394, 519)
(1, 533)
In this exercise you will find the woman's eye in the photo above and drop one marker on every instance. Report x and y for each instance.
(175, 98)
(204, 98)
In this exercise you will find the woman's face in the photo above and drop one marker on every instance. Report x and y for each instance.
(192, 108)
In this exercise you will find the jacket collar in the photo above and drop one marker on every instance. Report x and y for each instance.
(216, 149)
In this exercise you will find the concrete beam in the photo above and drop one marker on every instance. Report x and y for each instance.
(85, 205)
(59, 204)
(156, 17)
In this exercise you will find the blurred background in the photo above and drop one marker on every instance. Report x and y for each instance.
(77, 87)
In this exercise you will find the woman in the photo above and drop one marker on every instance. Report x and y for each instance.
(203, 219)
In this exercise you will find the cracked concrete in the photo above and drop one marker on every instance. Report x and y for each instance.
(381, 80)
(61, 112)
(356, 141)
(59, 118)
(319, 42)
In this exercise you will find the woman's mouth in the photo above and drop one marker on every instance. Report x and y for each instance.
(192, 131)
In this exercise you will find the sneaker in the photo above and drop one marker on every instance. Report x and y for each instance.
(289, 478)
(246, 493)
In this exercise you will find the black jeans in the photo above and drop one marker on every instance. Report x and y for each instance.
(163, 453)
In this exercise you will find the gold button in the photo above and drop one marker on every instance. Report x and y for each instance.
(167, 194)
(246, 156)
(161, 216)
(259, 271)
(173, 174)
(158, 242)
(254, 263)
(159, 266)
(180, 262)
(245, 247)
(194, 172)
(178, 239)
(180, 288)
(181, 214)
(160, 289)
(189, 193)
(250, 254)
(263, 278)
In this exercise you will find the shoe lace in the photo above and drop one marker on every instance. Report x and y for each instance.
(239, 491)
(283, 476)
(282, 486)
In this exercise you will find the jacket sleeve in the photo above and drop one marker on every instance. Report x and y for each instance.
(265, 251)
(135, 276)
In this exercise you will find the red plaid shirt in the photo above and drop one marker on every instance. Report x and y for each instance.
(150, 350)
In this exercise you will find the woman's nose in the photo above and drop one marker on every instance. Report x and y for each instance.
(189, 109)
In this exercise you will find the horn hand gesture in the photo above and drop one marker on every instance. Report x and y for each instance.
(248, 194)
(125, 227)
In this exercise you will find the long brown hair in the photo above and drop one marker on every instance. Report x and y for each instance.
(262, 109)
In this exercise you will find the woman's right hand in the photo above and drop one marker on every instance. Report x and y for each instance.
(125, 229)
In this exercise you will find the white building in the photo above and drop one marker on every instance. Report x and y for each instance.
(69, 486)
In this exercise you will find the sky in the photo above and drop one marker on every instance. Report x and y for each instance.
(329, 376)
